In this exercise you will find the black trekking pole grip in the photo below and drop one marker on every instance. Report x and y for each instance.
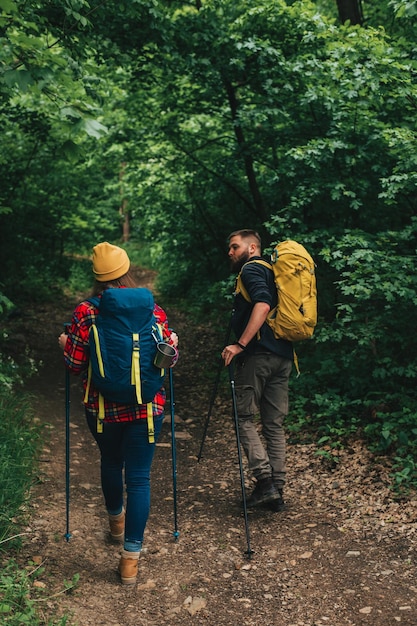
(67, 444)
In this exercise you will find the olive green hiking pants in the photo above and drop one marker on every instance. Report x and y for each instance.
(261, 385)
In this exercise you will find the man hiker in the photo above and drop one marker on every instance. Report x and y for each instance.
(262, 368)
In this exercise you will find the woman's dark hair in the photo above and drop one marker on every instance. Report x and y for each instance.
(127, 280)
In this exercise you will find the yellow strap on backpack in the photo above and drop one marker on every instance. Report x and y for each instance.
(101, 413)
(135, 379)
(151, 428)
(87, 387)
(295, 359)
(100, 416)
(240, 288)
(93, 330)
(135, 369)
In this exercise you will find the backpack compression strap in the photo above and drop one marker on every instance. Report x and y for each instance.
(135, 369)
(135, 380)
(149, 417)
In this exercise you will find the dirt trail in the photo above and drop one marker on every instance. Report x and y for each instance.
(343, 553)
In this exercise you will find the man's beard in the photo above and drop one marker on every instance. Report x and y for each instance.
(236, 264)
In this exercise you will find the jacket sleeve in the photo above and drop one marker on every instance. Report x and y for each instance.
(256, 281)
(77, 353)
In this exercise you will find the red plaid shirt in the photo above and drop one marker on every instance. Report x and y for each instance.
(76, 357)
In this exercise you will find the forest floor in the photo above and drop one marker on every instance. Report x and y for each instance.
(342, 553)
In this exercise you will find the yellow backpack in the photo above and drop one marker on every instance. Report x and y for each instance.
(295, 316)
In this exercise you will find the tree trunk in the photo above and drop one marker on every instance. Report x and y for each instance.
(247, 158)
(125, 221)
(124, 213)
(350, 10)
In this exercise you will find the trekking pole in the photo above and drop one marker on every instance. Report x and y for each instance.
(248, 552)
(173, 453)
(67, 445)
(214, 392)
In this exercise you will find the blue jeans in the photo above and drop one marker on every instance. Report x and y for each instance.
(125, 446)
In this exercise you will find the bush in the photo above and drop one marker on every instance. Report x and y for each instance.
(20, 443)
(359, 371)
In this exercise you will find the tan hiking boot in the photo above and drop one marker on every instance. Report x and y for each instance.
(128, 567)
(117, 526)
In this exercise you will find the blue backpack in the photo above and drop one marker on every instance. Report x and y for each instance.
(123, 343)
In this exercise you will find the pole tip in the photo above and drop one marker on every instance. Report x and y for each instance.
(176, 534)
(248, 553)
(68, 536)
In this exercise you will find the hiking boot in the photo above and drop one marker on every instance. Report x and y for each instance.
(128, 567)
(277, 505)
(117, 526)
(264, 492)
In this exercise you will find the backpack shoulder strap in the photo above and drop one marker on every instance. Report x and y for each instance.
(260, 262)
(240, 288)
(94, 300)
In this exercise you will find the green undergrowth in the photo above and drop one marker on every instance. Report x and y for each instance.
(20, 442)
(331, 420)
(21, 602)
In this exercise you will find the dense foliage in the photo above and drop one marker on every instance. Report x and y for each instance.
(173, 123)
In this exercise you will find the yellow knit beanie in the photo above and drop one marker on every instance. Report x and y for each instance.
(109, 262)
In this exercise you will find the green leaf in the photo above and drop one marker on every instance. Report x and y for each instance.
(8, 6)
(21, 77)
(71, 150)
(94, 128)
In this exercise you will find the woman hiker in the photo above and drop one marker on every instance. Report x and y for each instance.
(124, 442)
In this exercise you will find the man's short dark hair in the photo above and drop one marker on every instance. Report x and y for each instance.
(246, 233)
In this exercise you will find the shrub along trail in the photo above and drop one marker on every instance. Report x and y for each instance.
(343, 553)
